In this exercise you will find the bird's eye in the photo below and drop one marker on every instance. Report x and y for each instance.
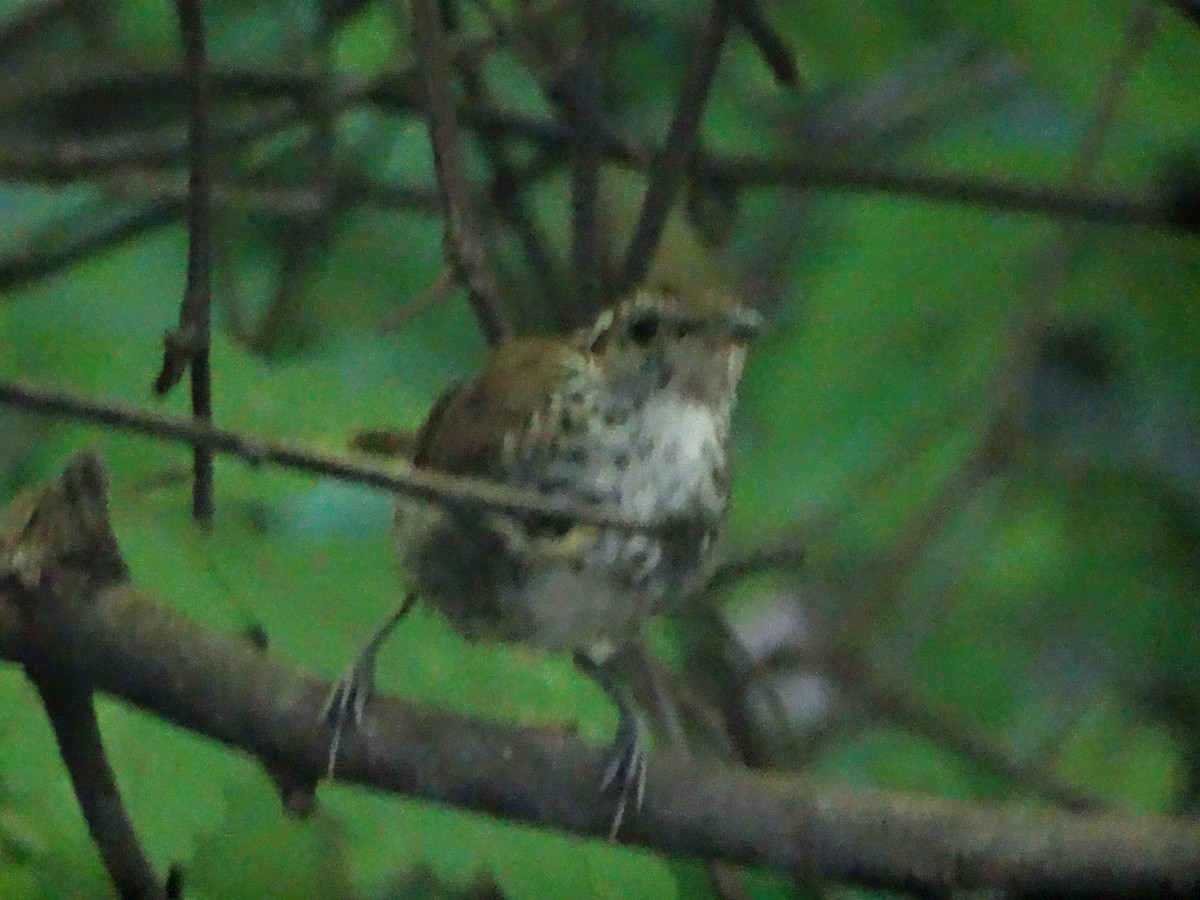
(643, 327)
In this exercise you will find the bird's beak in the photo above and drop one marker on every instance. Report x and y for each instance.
(744, 325)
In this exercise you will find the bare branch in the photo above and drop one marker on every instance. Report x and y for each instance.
(944, 726)
(283, 201)
(586, 117)
(507, 189)
(188, 346)
(1189, 9)
(123, 642)
(1009, 196)
(54, 248)
(775, 53)
(58, 543)
(420, 483)
(308, 237)
(72, 713)
(671, 166)
(463, 244)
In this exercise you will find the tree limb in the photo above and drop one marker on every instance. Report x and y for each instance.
(120, 640)
(57, 544)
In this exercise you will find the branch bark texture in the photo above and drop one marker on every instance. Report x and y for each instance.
(121, 640)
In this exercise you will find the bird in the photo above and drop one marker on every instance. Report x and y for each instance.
(630, 414)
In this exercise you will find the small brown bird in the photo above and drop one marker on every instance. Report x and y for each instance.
(629, 415)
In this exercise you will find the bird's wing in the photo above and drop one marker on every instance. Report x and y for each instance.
(481, 426)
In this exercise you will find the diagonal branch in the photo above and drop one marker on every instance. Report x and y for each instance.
(507, 189)
(1189, 9)
(72, 713)
(672, 165)
(463, 245)
(771, 47)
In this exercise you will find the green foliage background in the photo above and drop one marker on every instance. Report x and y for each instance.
(1056, 608)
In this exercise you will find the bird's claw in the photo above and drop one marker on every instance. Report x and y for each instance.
(346, 706)
(626, 771)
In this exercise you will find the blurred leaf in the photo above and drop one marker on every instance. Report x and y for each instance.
(256, 851)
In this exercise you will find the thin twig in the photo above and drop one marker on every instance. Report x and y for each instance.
(1080, 204)
(543, 57)
(163, 198)
(585, 117)
(431, 298)
(51, 249)
(671, 166)
(69, 158)
(30, 21)
(945, 727)
(784, 553)
(507, 191)
(463, 243)
(1189, 9)
(771, 47)
(188, 346)
(83, 161)
(277, 199)
(1140, 32)
(422, 484)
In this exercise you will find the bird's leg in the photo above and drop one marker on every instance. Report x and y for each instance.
(626, 769)
(347, 702)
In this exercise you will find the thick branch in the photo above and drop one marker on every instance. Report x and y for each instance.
(72, 712)
(57, 545)
(123, 642)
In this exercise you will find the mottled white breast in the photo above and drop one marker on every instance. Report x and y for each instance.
(677, 459)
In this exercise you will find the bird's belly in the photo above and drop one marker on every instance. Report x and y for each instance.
(562, 607)
(603, 590)
(588, 589)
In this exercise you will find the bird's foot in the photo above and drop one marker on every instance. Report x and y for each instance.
(346, 706)
(626, 772)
